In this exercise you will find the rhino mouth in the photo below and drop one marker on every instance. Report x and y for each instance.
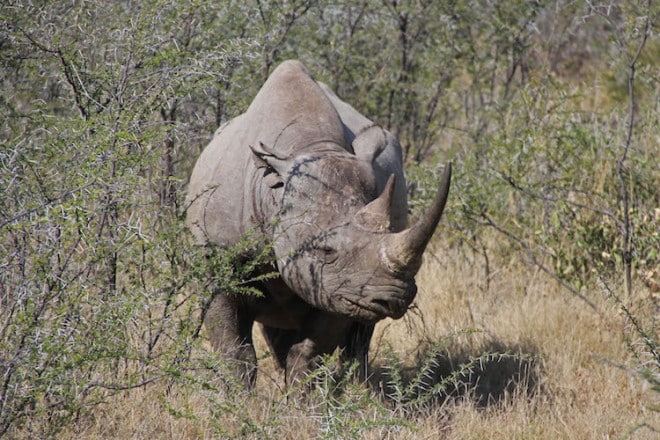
(375, 309)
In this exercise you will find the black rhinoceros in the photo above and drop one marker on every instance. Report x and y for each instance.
(325, 187)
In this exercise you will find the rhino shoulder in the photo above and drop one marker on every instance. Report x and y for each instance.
(216, 191)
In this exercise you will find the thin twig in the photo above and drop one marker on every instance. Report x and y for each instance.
(49, 202)
(548, 198)
(123, 387)
(625, 197)
(530, 253)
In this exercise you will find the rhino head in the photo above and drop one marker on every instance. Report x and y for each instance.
(334, 241)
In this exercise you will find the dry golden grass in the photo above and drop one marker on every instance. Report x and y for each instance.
(572, 391)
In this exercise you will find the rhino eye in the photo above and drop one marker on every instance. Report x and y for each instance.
(326, 254)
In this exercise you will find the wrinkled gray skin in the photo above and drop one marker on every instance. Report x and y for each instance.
(325, 187)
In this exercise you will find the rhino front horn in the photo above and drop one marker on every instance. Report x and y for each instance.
(402, 251)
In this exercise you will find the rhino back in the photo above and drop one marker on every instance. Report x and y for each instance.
(292, 112)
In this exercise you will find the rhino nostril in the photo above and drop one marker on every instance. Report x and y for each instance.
(381, 303)
(393, 308)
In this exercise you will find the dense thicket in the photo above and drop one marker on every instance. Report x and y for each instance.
(549, 110)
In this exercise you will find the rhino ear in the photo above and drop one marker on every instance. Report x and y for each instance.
(274, 166)
(377, 215)
(369, 143)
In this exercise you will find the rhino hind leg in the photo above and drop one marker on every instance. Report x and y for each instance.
(229, 327)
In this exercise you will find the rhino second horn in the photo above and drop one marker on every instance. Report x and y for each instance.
(377, 215)
(402, 251)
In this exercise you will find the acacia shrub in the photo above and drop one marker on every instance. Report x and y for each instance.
(100, 285)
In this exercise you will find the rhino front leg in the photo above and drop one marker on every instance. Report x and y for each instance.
(229, 326)
(280, 342)
(295, 355)
(325, 332)
(357, 348)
